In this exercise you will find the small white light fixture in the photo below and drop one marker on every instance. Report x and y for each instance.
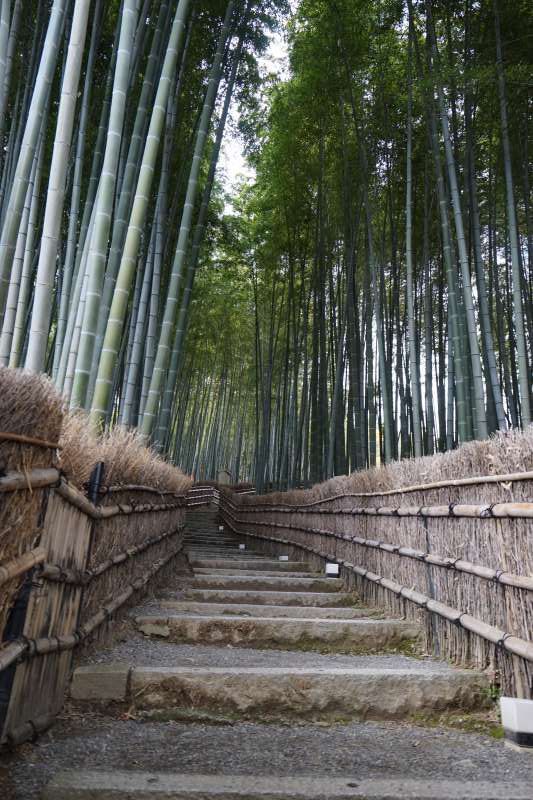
(221, 527)
(332, 570)
(284, 558)
(242, 547)
(517, 721)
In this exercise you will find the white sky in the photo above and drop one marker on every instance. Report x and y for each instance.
(232, 164)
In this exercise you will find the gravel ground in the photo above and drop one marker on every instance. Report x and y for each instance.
(141, 651)
(369, 750)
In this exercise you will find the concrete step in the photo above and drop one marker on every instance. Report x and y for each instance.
(249, 610)
(259, 583)
(266, 573)
(272, 564)
(317, 693)
(325, 599)
(122, 785)
(357, 636)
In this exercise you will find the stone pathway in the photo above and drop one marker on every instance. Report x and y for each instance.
(261, 679)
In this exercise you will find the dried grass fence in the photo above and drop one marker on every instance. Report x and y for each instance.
(68, 566)
(455, 553)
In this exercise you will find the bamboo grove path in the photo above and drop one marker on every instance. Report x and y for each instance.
(255, 677)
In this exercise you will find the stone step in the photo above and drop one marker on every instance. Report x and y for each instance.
(326, 599)
(360, 635)
(317, 693)
(272, 564)
(191, 536)
(223, 551)
(266, 573)
(216, 547)
(233, 555)
(259, 583)
(122, 785)
(249, 610)
(207, 552)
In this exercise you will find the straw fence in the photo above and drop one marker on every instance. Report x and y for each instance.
(202, 494)
(69, 566)
(455, 553)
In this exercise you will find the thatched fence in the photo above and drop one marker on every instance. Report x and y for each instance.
(69, 566)
(456, 553)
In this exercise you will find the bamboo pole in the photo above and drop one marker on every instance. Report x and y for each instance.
(474, 511)
(18, 437)
(75, 498)
(34, 479)
(22, 564)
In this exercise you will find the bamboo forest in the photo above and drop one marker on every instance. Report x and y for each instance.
(358, 291)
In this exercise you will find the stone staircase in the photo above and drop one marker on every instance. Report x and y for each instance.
(268, 650)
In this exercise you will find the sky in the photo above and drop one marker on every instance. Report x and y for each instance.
(232, 164)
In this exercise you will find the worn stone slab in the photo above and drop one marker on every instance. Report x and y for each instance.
(259, 583)
(269, 564)
(100, 682)
(325, 599)
(216, 539)
(361, 635)
(89, 785)
(250, 610)
(318, 693)
(234, 553)
(158, 627)
(266, 573)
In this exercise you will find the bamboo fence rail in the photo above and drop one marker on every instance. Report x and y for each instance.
(91, 560)
(466, 567)
(200, 495)
(70, 566)
(22, 564)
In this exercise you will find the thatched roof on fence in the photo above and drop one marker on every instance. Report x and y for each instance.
(31, 407)
(127, 459)
(503, 453)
